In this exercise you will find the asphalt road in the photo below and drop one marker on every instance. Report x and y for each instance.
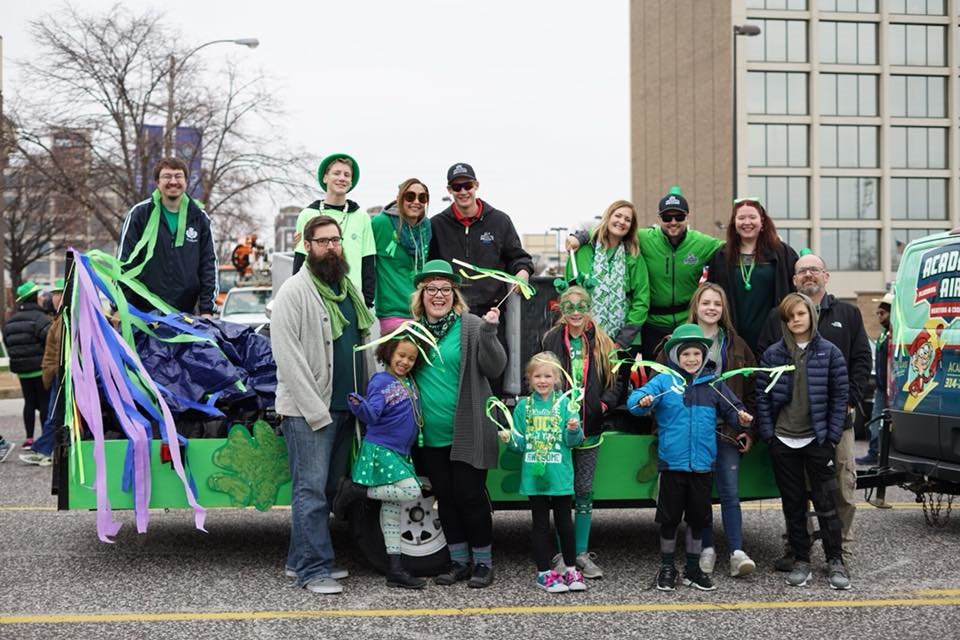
(57, 580)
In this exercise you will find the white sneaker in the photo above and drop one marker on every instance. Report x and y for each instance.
(36, 459)
(741, 564)
(325, 585)
(336, 573)
(708, 558)
(586, 562)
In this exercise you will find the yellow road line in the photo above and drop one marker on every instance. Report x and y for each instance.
(474, 611)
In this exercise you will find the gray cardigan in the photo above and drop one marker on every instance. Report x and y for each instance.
(481, 356)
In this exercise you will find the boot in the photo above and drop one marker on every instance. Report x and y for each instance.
(348, 492)
(397, 576)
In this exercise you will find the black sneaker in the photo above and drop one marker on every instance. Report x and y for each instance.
(452, 573)
(482, 576)
(698, 580)
(667, 578)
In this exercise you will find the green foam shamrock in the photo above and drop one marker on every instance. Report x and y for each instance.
(256, 466)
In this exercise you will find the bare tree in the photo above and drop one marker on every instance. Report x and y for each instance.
(106, 75)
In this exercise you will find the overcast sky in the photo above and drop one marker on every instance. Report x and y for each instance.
(533, 93)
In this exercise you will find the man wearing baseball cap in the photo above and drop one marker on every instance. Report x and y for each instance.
(473, 231)
(338, 174)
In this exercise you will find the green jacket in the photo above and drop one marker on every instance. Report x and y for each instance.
(547, 463)
(674, 272)
(637, 289)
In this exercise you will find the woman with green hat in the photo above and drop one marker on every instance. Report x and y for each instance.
(459, 440)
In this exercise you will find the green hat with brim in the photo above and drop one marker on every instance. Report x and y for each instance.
(437, 269)
(686, 333)
(58, 285)
(322, 169)
(27, 289)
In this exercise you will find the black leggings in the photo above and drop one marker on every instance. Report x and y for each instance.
(461, 492)
(543, 543)
(35, 398)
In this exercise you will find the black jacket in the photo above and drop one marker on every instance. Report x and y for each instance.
(783, 258)
(25, 335)
(490, 242)
(185, 277)
(842, 324)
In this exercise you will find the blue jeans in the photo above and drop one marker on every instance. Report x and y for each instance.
(726, 475)
(879, 403)
(48, 430)
(310, 553)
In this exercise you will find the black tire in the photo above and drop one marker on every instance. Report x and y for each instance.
(364, 520)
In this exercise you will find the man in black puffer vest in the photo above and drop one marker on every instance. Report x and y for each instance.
(24, 336)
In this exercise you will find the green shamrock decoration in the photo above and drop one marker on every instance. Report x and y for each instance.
(256, 466)
(649, 471)
(510, 461)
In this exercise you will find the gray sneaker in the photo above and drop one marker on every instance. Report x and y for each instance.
(586, 562)
(325, 585)
(800, 575)
(837, 575)
(336, 573)
(5, 449)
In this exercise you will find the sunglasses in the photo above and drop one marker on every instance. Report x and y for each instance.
(750, 199)
(567, 307)
(410, 196)
(671, 217)
(457, 187)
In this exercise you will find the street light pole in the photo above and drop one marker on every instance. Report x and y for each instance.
(174, 69)
(738, 30)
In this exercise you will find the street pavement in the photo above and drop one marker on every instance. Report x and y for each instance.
(57, 580)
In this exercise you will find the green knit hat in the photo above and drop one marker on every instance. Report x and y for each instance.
(322, 169)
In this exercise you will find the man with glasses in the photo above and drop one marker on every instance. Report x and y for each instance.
(166, 240)
(675, 256)
(473, 231)
(842, 324)
(318, 316)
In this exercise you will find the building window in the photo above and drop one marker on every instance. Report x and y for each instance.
(850, 249)
(778, 41)
(777, 145)
(848, 42)
(917, 45)
(796, 238)
(848, 198)
(774, 92)
(778, 5)
(918, 199)
(918, 96)
(918, 147)
(849, 6)
(901, 237)
(917, 7)
(848, 146)
(784, 197)
(847, 94)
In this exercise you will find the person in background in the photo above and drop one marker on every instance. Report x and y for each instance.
(402, 233)
(338, 174)
(880, 365)
(51, 304)
(754, 268)
(24, 336)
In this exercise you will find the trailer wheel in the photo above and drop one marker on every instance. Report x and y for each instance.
(422, 543)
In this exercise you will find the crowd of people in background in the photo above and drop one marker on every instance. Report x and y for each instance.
(699, 305)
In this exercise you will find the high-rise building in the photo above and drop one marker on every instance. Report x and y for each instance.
(843, 117)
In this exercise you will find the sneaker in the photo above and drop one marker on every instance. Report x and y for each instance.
(574, 580)
(741, 564)
(27, 444)
(800, 575)
(5, 449)
(452, 573)
(551, 582)
(867, 460)
(337, 573)
(667, 578)
(587, 565)
(558, 564)
(708, 558)
(325, 585)
(482, 576)
(37, 459)
(837, 575)
(698, 579)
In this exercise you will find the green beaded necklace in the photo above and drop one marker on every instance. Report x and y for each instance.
(746, 272)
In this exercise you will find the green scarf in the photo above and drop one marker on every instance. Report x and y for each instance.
(441, 326)
(181, 215)
(331, 301)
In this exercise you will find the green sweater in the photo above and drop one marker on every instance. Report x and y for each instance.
(674, 272)
(544, 444)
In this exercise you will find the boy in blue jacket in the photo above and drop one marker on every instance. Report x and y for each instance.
(687, 405)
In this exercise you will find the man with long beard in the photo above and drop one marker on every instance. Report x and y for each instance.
(318, 317)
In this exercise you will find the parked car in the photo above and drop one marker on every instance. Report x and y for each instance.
(246, 305)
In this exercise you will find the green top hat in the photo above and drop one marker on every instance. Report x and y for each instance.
(437, 269)
(58, 285)
(322, 169)
(687, 333)
(27, 289)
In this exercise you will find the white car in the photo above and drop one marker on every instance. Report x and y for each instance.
(246, 305)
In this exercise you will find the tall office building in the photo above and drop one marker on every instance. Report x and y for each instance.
(843, 116)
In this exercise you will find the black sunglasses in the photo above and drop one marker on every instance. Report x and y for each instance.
(460, 186)
(410, 196)
(670, 217)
